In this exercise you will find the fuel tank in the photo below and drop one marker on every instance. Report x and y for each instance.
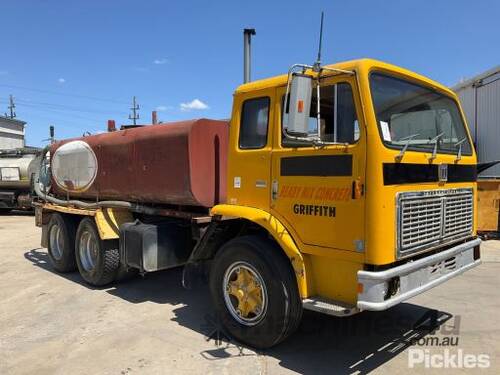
(180, 163)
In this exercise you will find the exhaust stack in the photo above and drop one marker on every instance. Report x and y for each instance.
(247, 54)
(111, 126)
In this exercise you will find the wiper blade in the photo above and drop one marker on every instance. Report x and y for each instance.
(459, 144)
(399, 156)
(435, 140)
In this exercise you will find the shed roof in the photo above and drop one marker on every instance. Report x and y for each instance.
(477, 79)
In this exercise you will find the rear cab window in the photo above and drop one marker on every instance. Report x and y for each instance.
(254, 123)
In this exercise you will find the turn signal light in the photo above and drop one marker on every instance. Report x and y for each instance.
(360, 288)
(300, 106)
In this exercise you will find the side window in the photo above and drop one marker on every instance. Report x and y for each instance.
(339, 122)
(254, 123)
(347, 121)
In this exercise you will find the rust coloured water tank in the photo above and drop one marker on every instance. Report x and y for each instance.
(180, 163)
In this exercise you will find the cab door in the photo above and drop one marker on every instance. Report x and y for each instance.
(249, 161)
(319, 190)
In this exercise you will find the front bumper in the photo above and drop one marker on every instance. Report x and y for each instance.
(384, 289)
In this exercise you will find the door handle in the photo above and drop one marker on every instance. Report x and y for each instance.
(274, 190)
(357, 189)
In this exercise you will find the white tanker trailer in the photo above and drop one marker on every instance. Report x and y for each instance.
(17, 170)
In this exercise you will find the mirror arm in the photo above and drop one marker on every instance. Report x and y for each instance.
(334, 70)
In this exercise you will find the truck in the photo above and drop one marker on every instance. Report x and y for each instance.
(335, 188)
(18, 167)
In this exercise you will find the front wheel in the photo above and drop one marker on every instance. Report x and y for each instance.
(97, 260)
(255, 292)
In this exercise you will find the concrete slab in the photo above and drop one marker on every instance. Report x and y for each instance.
(55, 324)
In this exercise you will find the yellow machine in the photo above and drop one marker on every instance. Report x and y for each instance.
(356, 201)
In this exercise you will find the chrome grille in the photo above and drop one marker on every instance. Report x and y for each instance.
(421, 221)
(432, 217)
(458, 214)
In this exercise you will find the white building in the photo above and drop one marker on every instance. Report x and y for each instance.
(11, 133)
(480, 99)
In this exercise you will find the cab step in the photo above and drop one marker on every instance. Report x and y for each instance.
(329, 307)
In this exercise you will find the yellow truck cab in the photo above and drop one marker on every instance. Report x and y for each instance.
(350, 187)
(380, 206)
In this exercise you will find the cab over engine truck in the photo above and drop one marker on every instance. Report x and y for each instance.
(337, 188)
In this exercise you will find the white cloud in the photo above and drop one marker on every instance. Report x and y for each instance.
(61, 80)
(163, 108)
(160, 61)
(194, 105)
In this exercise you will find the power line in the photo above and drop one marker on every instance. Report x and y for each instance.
(62, 106)
(58, 112)
(64, 94)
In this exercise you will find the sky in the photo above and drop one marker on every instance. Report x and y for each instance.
(76, 64)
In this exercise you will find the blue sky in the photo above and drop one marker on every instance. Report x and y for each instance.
(75, 64)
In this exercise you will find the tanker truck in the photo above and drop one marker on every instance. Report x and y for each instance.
(17, 170)
(340, 189)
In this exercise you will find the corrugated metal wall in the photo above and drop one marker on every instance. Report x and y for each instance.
(467, 99)
(480, 100)
(488, 124)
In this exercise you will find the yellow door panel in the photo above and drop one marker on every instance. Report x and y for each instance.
(319, 190)
(249, 174)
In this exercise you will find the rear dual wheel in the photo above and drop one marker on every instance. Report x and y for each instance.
(97, 260)
(72, 246)
(61, 242)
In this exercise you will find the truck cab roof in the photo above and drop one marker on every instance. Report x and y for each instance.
(359, 66)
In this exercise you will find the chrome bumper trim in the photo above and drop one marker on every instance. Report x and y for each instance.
(415, 277)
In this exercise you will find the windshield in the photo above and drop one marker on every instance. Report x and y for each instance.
(418, 116)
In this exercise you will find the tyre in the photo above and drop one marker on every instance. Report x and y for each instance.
(4, 211)
(255, 292)
(97, 260)
(61, 242)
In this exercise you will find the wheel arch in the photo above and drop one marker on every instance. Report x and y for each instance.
(274, 227)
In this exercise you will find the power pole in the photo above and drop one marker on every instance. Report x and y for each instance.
(11, 107)
(134, 116)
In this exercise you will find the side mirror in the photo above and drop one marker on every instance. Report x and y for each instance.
(301, 88)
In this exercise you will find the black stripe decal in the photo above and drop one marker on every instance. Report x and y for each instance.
(321, 165)
(462, 173)
(404, 173)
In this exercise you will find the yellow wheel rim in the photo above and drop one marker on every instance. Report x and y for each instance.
(245, 293)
